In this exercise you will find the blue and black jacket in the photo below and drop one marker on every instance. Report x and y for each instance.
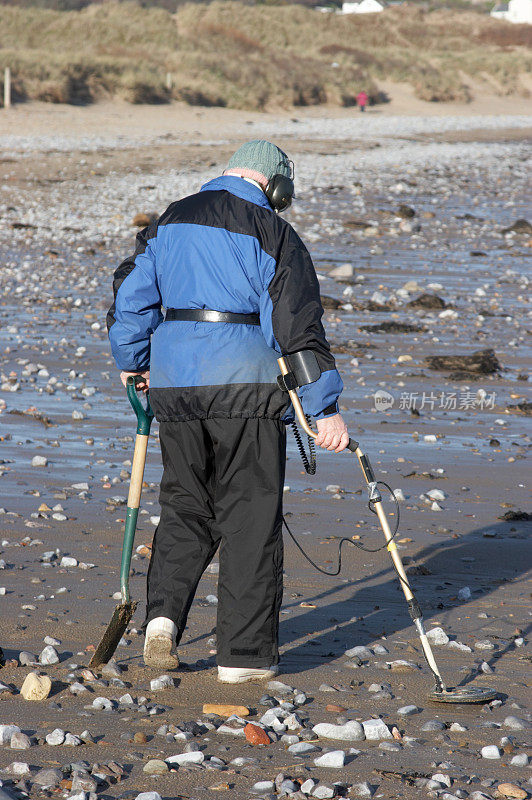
(223, 249)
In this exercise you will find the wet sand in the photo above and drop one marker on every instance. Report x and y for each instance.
(67, 201)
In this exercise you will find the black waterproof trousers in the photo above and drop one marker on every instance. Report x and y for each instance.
(222, 485)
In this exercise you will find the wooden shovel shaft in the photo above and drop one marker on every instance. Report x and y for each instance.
(132, 511)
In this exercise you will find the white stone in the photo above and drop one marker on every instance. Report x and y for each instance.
(68, 561)
(437, 636)
(516, 724)
(19, 768)
(162, 682)
(443, 779)
(343, 271)
(455, 645)
(49, 655)
(464, 593)
(262, 786)
(196, 757)
(490, 751)
(351, 731)
(359, 652)
(376, 729)
(323, 792)
(430, 437)
(362, 789)
(148, 796)
(308, 786)
(39, 461)
(407, 711)
(72, 740)
(6, 732)
(436, 494)
(399, 495)
(520, 760)
(334, 759)
(56, 737)
(301, 748)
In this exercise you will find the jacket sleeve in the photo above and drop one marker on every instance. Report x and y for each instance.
(291, 312)
(136, 311)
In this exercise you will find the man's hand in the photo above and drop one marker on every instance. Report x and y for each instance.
(144, 386)
(332, 433)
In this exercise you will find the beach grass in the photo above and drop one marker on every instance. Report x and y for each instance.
(257, 57)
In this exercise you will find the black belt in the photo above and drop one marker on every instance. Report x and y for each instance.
(207, 315)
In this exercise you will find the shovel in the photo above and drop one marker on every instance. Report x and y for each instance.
(123, 612)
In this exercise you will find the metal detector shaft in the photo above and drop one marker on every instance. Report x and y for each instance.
(376, 501)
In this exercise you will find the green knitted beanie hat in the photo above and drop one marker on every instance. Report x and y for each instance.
(260, 159)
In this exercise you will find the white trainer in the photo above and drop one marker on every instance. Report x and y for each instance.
(245, 674)
(159, 645)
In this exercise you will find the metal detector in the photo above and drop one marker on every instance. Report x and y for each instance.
(292, 376)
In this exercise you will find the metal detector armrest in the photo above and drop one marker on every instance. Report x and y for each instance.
(303, 368)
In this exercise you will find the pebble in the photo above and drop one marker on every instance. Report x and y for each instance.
(68, 561)
(19, 768)
(56, 737)
(323, 792)
(48, 778)
(333, 759)
(407, 711)
(148, 796)
(278, 687)
(162, 682)
(36, 687)
(39, 461)
(516, 723)
(307, 786)
(6, 732)
(376, 729)
(362, 789)
(464, 593)
(262, 786)
(256, 735)
(519, 760)
(433, 725)
(102, 704)
(49, 655)
(359, 652)
(20, 741)
(511, 790)
(27, 659)
(195, 757)
(352, 731)
(302, 748)
(155, 767)
(490, 751)
(437, 636)
(72, 741)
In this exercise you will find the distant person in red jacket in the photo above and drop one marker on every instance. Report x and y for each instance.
(362, 100)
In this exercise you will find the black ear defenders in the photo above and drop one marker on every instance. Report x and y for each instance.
(280, 190)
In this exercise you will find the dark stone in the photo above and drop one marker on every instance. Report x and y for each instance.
(431, 301)
(406, 212)
(519, 226)
(392, 327)
(481, 362)
(330, 302)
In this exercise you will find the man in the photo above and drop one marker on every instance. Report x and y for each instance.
(212, 381)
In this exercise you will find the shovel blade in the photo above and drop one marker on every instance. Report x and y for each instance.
(114, 632)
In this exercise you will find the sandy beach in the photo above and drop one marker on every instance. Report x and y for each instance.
(410, 214)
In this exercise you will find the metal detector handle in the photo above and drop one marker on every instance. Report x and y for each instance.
(144, 419)
(144, 414)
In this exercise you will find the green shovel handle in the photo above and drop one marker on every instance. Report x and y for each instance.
(144, 420)
(144, 415)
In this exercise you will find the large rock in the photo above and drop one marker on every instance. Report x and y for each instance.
(155, 767)
(48, 778)
(196, 757)
(437, 636)
(352, 731)
(19, 741)
(36, 687)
